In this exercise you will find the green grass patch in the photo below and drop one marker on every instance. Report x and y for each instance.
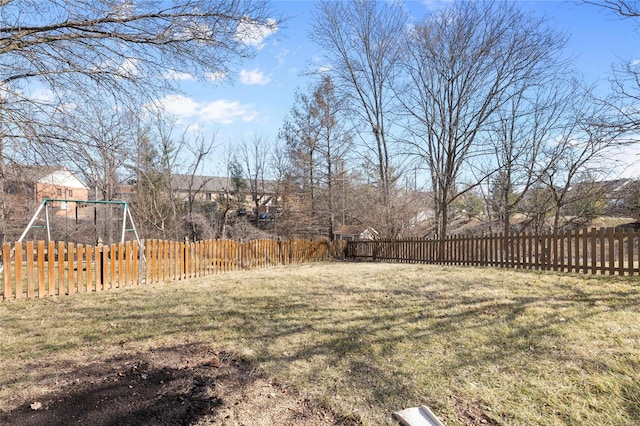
(517, 347)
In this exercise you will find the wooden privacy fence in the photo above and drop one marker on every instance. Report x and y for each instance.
(38, 269)
(602, 251)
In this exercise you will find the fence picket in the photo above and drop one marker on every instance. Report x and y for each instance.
(99, 271)
(71, 286)
(6, 271)
(127, 263)
(630, 263)
(18, 268)
(586, 248)
(620, 254)
(41, 270)
(30, 269)
(80, 268)
(612, 252)
(62, 282)
(51, 267)
(136, 268)
(89, 269)
(113, 277)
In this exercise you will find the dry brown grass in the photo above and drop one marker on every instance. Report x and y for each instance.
(507, 347)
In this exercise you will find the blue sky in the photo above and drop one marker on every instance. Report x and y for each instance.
(259, 94)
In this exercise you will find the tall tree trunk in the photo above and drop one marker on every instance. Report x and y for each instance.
(3, 202)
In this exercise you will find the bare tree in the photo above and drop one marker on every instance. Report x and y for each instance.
(519, 136)
(101, 146)
(229, 199)
(301, 134)
(318, 140)
(155, 201)
(335, 141)
(253, 158)
(124, 48)
(281, 167)
(465, 63)
(362, 40)
(115, 44)
(580, 150)
(623, 8)
(200, 150)
(624, 115)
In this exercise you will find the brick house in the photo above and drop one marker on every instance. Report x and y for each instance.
(26, 186)
(209, 189)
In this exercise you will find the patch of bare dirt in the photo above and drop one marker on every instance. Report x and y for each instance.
(186, 385)
(471, 414)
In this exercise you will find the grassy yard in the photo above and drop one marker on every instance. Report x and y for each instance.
(507, 347)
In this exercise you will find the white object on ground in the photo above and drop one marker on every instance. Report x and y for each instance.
(417, 416)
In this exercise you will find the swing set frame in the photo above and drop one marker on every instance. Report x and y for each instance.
(45, 205)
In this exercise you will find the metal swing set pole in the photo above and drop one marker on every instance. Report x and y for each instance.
(127, 213)
(33, 219)
(30, 225)
(44, 204)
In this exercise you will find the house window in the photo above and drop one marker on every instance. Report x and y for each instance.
(70, 193)
(59, 192)
(207, 196)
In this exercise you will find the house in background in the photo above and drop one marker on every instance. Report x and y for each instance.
(210, 189)
(26, 186)
(355, 233)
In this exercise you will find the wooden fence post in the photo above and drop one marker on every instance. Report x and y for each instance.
(51, 267)
(89, 274)
(630, 263)
(99, 267)
(71, 287)
(620, 252)
(18, 268)
(6, 271)
(136, 277)
(41, 268)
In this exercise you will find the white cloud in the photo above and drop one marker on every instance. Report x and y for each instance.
(214, 77)
(41, 94)
(195, 128)
(180, 106)
(254, 76)
(281, 57)
(226, 112)
(635, 62)
(221, 111)
(253, 33)
(625, 161)
(128, 68)
(435, 4)
(178, 76)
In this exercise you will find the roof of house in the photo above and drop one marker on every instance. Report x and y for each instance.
(52, 175)
(212, 183)
(28, 173)
(201, 183)
(353, 230)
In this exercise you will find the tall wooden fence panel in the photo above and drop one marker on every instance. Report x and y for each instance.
(38, 269)
(586, 251)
